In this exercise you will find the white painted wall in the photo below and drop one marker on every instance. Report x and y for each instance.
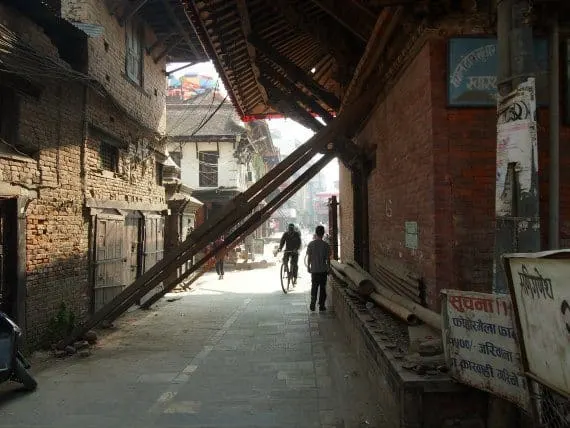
(230, 173)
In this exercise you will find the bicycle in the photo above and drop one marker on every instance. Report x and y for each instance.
(287, 277)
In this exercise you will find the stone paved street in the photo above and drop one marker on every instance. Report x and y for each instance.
(232, 353)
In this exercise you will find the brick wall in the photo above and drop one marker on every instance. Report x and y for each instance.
(401, 186)
(135, 180)
(147, 103)
(436, 165)
(50, 129)
(62, 166)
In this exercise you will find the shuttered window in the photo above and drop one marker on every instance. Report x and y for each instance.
(134, 52)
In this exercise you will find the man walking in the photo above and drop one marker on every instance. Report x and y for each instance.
(318, 263)
(220, 257)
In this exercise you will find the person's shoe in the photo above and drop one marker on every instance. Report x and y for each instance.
(322, 308)
(219, 276)
(312, 307)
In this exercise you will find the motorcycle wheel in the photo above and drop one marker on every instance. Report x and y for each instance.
(24, 377)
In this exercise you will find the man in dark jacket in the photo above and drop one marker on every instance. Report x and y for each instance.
(318, 256)
(291, 240)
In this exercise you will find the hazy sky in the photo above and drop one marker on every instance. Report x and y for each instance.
(289, 129)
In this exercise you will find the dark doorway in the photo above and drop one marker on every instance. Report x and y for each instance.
(8, 256)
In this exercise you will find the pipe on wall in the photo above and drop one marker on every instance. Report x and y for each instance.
(554, 133)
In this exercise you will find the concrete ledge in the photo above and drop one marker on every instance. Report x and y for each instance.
(409, 400)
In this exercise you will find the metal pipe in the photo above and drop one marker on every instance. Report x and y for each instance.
(554, 163)
(395, 309)
(431, 318)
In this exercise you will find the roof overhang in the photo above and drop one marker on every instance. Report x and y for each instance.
(284, 58)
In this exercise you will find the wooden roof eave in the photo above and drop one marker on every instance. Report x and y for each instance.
(208, 46)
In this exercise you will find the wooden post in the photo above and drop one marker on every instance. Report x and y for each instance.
(333, 226)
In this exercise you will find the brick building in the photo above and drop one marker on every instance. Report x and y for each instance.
(435, 168)
(83, 114)
(413, 88)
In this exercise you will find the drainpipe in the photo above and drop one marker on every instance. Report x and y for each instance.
(554, 164)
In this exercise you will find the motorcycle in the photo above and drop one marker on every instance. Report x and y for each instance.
(13, 365)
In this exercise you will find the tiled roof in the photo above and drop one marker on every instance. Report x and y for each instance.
(186, 119)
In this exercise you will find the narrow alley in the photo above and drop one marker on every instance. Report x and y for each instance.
(231, 353)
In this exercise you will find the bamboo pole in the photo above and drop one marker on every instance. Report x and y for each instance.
(428, 316)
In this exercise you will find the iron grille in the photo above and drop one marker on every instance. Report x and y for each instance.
(108, 156)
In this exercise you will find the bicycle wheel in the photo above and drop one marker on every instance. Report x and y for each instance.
(284, 278)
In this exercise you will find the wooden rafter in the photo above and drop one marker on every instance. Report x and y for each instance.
(162, 41)
(246, 28)
(307, 100)
(352, 18)
(168, 48)
(183, 32)
(289, 106)
(130, 11)
(293, 72)
(326, 36)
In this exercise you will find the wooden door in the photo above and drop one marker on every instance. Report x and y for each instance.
(153, 247)
(153, 240)
(110, 260)
(133, 235)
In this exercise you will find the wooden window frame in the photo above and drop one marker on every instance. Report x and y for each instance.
(134, 30)
(208, 170)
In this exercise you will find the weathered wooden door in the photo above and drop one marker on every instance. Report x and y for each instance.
(153, 247)
(153, 240)
(110, 260)
(133, 235)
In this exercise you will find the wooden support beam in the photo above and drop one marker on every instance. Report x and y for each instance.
(222, 230)
(288, 105)
(246, 28)
(167, 49)
(233, 212)
(386, 24)
(295, 73)
(345, 13)
(249, 226)
(162, 41)
(326, 36)
(351, 155)
(183, 32)
(297, 93)
(130, 11)
(237, 208)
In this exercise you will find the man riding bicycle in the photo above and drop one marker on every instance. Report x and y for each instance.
(292, 242)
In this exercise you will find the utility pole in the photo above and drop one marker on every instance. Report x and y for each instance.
(517, 201)
(518, 228)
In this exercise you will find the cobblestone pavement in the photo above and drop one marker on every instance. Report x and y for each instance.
(232, 353)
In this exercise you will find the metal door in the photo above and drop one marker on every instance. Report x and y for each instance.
(110, 260)
(134, 247)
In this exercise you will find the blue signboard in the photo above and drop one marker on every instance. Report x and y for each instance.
(472, 71)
